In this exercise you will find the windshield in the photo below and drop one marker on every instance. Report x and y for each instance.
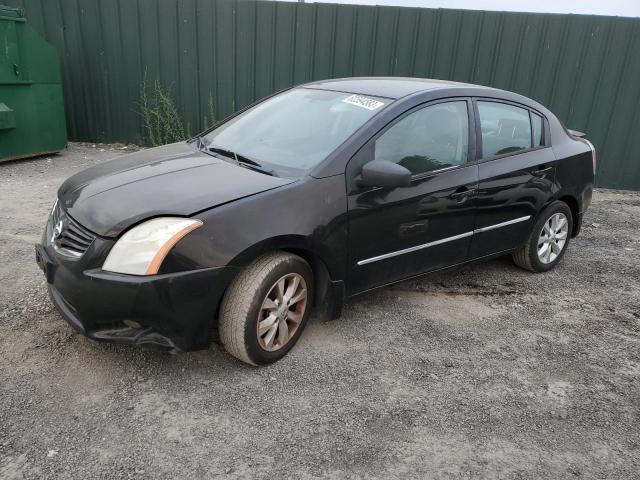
(296, 129)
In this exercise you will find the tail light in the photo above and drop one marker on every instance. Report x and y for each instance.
(593, 155)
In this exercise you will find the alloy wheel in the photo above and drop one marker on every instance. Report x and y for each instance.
(553, 237)
(282, 312)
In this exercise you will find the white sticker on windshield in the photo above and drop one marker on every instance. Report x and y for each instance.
(364, 102)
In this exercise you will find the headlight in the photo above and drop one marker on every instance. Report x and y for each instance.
(141, 250)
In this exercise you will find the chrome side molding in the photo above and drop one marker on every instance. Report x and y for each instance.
(442, 240)
(503, 224)
(413, 249)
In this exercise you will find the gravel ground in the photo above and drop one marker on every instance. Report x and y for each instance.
(489, 372)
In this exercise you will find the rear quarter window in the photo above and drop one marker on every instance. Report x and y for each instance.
(537, 124)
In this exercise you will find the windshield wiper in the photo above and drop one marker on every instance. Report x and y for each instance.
(242, 160)
(225, 152)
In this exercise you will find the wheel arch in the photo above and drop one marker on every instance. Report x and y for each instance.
(574, 206)
(328, 274)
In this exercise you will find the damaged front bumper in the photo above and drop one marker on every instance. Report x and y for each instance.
(174, 311)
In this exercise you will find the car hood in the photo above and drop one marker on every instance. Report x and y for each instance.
(174, 179)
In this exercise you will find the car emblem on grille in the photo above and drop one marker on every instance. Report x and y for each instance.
(57, 231)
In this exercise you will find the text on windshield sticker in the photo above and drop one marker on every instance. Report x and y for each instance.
(364, 102)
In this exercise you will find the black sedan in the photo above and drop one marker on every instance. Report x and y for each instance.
(309, 197)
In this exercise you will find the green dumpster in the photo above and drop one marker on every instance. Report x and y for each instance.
(31, 110)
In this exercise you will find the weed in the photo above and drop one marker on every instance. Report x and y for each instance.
(210, 117)
(161, 120)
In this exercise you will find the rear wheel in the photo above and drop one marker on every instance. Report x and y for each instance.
(266, 308)
(548, 240)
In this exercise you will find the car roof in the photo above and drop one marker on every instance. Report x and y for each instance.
(388, 87)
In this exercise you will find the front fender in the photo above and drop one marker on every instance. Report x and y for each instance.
(309, 215)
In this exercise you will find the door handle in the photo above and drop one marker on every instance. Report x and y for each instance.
(541, 172)
(461, 193)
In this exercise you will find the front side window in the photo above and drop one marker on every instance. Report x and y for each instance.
(297, 129)
(505, 129)
(428, 139)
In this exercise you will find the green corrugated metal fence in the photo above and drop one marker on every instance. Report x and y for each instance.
(584, 68)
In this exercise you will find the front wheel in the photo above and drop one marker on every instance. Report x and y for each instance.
(266, 308)
(548, 240)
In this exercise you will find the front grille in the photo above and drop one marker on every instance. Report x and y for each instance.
(68, 236)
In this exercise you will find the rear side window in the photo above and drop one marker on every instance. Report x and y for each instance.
(505, 129)
(428, 139)
(536, 122)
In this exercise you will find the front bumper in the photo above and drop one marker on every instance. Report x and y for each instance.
(174, 311)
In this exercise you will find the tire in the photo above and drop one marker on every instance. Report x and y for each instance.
(528, 255)
(245, 304)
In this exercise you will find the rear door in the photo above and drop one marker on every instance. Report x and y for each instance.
(516, 174)
(395, 233)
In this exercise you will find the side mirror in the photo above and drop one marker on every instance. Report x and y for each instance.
(383, 173)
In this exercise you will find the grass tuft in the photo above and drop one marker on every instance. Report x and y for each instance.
(161, 120)
(210, 117)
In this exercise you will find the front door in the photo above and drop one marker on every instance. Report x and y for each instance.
(516, 176)
(396, 233)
